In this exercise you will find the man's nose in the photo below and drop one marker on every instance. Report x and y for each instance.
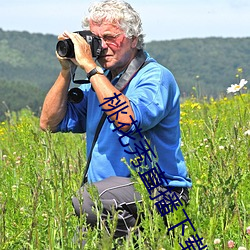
(104, 44)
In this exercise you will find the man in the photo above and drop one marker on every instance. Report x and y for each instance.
(147, 97)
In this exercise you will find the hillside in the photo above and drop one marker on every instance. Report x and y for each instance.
(28, 57)
(210, 63)
(28, 66)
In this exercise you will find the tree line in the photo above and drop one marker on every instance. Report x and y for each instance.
(202, 67)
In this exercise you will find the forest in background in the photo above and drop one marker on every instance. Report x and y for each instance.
(202, 67)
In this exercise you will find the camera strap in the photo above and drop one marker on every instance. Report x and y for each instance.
(136, 64)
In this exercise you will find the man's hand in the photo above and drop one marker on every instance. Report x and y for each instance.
(83, 54)
(66, 63)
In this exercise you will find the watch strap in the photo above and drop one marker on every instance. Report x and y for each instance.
(93, 72)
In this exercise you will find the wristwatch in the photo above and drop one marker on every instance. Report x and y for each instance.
(96, 70)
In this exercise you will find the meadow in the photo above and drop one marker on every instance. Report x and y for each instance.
(40, 172)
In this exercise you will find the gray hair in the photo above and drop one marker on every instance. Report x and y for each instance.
(120, 13)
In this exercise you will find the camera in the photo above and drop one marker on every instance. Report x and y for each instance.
(65, 48)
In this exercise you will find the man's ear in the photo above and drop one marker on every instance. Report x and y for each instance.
(134, 42)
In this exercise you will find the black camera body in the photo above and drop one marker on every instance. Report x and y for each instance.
(65, 48)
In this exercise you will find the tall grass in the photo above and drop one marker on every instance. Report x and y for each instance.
(40, 172)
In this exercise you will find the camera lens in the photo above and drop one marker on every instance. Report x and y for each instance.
(75, 95)
(65, 48)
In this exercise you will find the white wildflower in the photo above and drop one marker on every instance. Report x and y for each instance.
(242, 248)
(216, 241)
(236, 87)
(22, 210)
(247, 133)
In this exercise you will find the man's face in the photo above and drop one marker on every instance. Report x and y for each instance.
(118, 50)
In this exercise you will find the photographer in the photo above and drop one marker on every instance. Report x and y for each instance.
(150, 98)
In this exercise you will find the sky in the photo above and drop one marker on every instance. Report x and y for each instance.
(162, 19)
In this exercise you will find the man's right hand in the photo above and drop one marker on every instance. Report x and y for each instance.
(66, 63)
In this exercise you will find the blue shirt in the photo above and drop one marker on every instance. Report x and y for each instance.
(154, 96)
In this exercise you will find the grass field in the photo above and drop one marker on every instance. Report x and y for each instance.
(40, 172)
